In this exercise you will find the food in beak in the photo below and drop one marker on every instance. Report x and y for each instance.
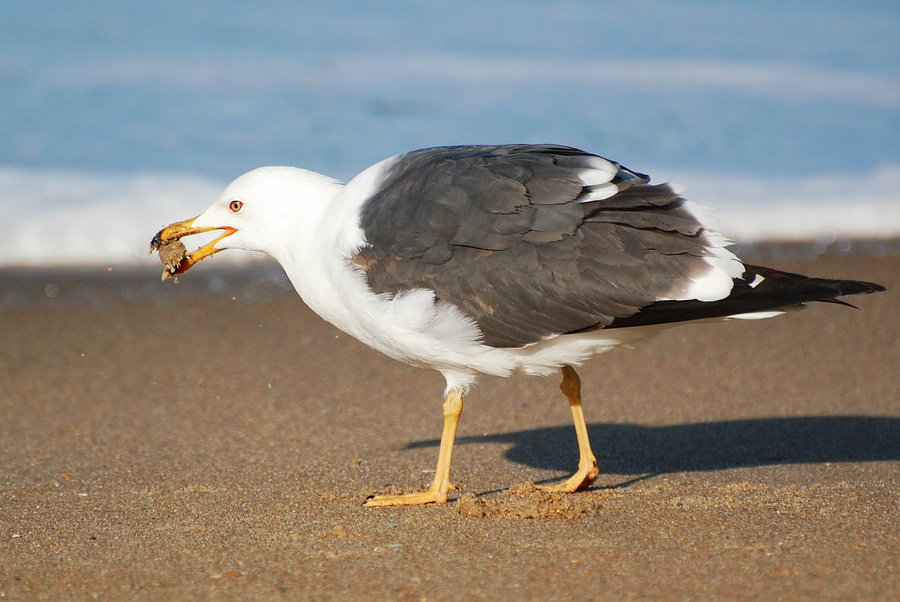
(171, 254)
(172, 251)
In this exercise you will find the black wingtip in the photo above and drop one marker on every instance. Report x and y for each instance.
(787, 284)
(870, 287)
(845, 288)
(778, 290)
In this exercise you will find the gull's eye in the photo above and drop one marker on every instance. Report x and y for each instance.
(235, 206)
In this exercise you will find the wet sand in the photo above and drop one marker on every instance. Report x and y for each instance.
(215, 440)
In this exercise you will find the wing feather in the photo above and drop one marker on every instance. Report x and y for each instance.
(516, 238)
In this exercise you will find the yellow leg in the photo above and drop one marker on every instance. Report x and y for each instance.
(587, 464)
(437, 493)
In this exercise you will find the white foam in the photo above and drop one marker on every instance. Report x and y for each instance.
(800, 207)
(66, 218)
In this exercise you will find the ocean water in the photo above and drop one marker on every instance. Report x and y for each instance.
(118, 118)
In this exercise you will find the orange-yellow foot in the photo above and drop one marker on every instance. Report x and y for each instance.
(587, 462)
(579, 480)
(437, 493)
(430, 496)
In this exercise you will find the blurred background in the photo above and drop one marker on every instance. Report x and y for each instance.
(118, 118)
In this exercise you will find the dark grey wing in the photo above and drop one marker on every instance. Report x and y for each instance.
(530, 241)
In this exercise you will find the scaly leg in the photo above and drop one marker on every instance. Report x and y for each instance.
(437, 493)
(587, 464)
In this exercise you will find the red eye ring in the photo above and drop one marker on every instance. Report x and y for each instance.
(235, 205)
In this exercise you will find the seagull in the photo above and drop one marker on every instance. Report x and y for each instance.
(493, 260)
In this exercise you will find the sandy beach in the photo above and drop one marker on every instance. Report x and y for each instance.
(215, 439)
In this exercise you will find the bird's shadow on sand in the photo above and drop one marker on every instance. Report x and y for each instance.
(632, 449)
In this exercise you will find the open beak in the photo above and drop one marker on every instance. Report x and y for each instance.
(172, 252)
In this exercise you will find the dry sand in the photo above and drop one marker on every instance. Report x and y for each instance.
(215, 440)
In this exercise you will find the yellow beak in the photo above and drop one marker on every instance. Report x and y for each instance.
(172, 234)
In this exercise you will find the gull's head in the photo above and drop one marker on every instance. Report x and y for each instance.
(260, 211)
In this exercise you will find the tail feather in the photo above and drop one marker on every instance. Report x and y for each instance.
(759, 289)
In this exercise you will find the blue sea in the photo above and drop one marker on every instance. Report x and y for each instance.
(117, 118)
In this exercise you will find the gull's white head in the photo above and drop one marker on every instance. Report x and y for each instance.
(263, 210)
